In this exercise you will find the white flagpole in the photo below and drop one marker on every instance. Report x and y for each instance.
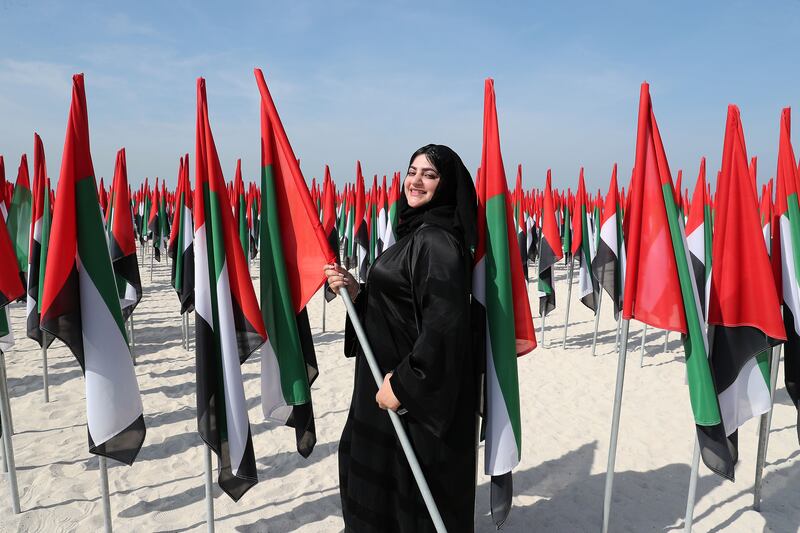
(7, 397)
(612, 448)
(569, 297)
(104, 490)
(666, 340)
(763, 430)
(419, 476)
(641, 348)
(209, 493)
(45, 378)
(596, 322)
(8, 457)
(690, 501)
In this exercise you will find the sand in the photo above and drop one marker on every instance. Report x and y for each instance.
(566, 397)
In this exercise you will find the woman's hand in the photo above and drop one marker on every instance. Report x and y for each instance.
(338, 277)
(385, 397)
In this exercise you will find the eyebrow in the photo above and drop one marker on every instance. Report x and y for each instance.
(423, 169)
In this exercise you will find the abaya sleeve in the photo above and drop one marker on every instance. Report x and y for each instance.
(426, 381)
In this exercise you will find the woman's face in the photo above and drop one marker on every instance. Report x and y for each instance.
(421, 181)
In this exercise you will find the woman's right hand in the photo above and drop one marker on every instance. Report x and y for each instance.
(338, 277)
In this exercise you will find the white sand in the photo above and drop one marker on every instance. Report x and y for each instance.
(566, 404)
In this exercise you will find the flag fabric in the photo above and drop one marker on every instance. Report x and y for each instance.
(294, 250)
(660, 289)
(329, 223)
(11, 287)
(181, 244)
(499, 290)
(240, 210)
(550, 251)
(786, 263)
(744, 318)
(37, 252)
(228, 323)
(80, 305)
(608, 264)
(360, 231)
(4, 200)
(153, 223)
(698, 238)
(390, 236)
(19, 215)
(583, 248)
(122, 241)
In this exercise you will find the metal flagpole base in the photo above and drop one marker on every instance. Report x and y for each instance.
(45, 377)
(569, 297)
(105, 496)
(419, 476)
(763, 430)
(596, 323)
(690, 500)
(641, 347)
(8, 451)
(209, 493)
(612, 448)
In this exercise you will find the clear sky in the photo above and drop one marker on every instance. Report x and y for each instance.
(376, 80)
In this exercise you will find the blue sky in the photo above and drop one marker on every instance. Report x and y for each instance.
(376, 80)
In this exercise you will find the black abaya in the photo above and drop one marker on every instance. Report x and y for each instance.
(415, 311)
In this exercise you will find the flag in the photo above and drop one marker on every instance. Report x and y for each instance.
(240, 210)
(583, 248)
(608, 264)
(294, 250)
(181, 245)
(498, 287)
(79, 303)
(786, 234)
(360, 232)
(11, 287)
(153, 224)
(550, 251)
(37, 252)
(390, 237)
(698, 238)
(660, 289)
(329, 222)
(122, 241)
(744, 318)
(19, 215)
(228, 323)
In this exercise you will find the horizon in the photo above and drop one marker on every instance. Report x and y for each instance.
(567, 86)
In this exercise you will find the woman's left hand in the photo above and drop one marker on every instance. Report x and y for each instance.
(385, 397)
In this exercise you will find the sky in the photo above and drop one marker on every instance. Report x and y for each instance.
(373, 81)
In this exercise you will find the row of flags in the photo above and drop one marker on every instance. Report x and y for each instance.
(651, 250)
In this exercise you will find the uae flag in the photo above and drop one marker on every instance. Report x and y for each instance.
(294, 250)
(181, 245)
(11, 287)
(698, 237)
(4, 201)
(660, 289)
(744, 316)
(608, 264)
(786, 260)
(499, 289)
(228, 323)
(550, 251)
(583, 248)
(37, 254)
(80, 305)
(360, 230)
(519, 220)
(390, 237)
(153, 224)
(122, 241)
(329, 222)
(240, 210)
(19, 215)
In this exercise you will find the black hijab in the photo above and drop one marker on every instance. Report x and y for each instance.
(454, 203)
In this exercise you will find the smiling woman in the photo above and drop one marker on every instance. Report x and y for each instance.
(415, 308)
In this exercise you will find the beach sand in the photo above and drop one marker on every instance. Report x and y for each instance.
(566, 397)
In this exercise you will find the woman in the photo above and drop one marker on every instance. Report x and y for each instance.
(415, 309)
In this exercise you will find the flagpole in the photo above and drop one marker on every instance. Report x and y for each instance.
(666, 340)
(324, 305)
(763, 430)
(690, 501)
(7, 397)
(151, 264)
(419, 476)
(8, 457)
(184, 332)
(45, 377)
(209, 489)
(541, 333)
(596, 323)
(641, 348)
(569, 297)
(612, 448)
(619, 326)
(104, 489)
(133, 340)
